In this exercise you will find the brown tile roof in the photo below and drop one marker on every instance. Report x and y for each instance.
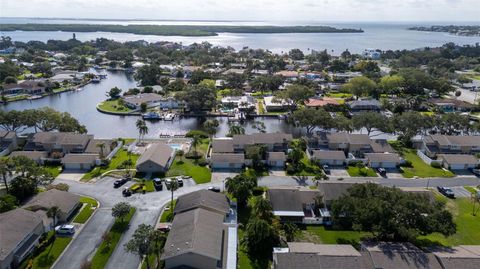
(318, 102)
(198, 231)
(158, 153)
(202, 199)
(15, 226)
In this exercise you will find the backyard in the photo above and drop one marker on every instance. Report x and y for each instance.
(194, 168)
(116, 163)
(322, 235)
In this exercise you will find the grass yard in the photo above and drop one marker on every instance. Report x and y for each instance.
(107, 247)
(87, 210)
(306, 168)
(145, 184)
(471, 189)
(261, 108)
(114, 107)
(468, 226)
(322, 235)
(54, 170)
(51, 253)
(167, 214)
(339, 95)
(355, 171)
(121, 156)
(420, 168)
(184, 166)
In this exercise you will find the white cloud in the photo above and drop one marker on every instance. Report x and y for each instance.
(291, 10)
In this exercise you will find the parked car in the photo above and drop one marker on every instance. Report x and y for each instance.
(168, 182)
(120, 182)
(382, 171)
(214, 189)
(65, 229)
(326, 169)
(446, 191)
(157, 183)
(126, 192)
(476, 172)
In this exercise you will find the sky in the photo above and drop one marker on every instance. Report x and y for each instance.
(259, 10)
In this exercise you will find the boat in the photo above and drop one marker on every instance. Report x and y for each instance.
(102, 76)
(169, 117)
(33, 97)
(95, 80)
(151, 116)
(79, 89)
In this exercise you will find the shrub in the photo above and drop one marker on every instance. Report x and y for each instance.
(192, 155)
(198, 133)
(291, 169)
(257, 191)
(59, 186)
(203, 162)
(435, 165)
(406, 163)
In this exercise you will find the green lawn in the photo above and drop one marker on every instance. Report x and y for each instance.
(339, 95)
(167, 214)
(51, 253)
(261, 109)
(320, 234)
(354, 171)
(190, 167)
(106, 248)
(121, 156)
(145, 184)
(471, 189)
(87, 210)
(114, 107)
(468, 226)
(306, 168)
(54, 170)
(420, 168)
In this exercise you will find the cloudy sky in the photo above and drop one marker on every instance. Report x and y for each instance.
(280, 10)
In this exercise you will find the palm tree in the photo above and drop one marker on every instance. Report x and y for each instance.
(158, 239)
(5, 170)
(236, 130)
(101, 146)
(290, 229)
(195, 142)
(173, 187)
(210, 127)
(262, 208)
(53, 213)
(142, 128)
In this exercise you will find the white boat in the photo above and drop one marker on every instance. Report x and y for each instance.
(169, 117)
(95, 80)
(79, 89)
(151, 116)
(33, 97)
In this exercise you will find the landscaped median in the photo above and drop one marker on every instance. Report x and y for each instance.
(89, 207)
(110, 241)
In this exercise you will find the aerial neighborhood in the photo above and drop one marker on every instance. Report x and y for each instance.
(165, 155)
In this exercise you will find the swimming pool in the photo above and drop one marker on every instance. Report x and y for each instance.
(176, 146)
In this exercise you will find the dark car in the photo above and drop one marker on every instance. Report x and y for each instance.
(326, 169)
(382, 171)
(214, 189)
(120, 182)
(126, 192)
(446, 191)
(157, 183)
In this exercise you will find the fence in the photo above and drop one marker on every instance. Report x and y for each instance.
(427, 159)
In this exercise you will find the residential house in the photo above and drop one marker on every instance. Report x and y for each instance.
(236, 71)
(274, 142)
(241, 102)
(203, 233)
(8, 142)
(20, 231)
(274, 104)
(319, 256)
(227, 160)
(371, 54)
(463, 256)
(67, 202)
(331, 191)
(59, 142)
(80, 162)
(170, 103)
(276, 159)
(451, 105)
(37, 156)
(287, 74)
(32, 87)
(295, 204)
(356, 144)
(344, 76)
(399, 256)
(156, 158)
(222, 145)
(450, 144)
(383, 160)
(329, 157)
(135, 101)
(365, 105)
(458, 161)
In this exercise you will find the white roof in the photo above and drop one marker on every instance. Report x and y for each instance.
(289, 213)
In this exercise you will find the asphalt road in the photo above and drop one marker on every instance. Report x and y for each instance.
(149, 208)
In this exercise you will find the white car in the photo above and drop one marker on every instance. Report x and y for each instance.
(65, 229)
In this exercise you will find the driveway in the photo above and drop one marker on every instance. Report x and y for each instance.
(338, 172)
(461, 192)
(220, 176)
(71, 175)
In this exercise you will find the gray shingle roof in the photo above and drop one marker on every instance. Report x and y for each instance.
(277, 156)
(202, 199)
(329, 155)
(238, 158)
(463, 256)
(333, 190)
(15, 225)
(158, 153)
(34, 155)
(79, 158)
(222, 145)
(458, 158)
(61, 138)
(291, 199)
(65, 201)
(357, 139)
(196, 231)
(383, 157)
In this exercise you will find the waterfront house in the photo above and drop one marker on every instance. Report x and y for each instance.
(59, 142)
(222, 145)
(227, 161)
(31, 87)
(20, 232)
(241, 102)
(356, 144)
(295, 204)
(321, 102)
(36, 156)
(66, 202)
(309, 255)
(451, 105)
(156, 158)
(80, 162)
(203, 233)
(329, 157)
(365, 105)
(383, 160)
(332, 191)
(458, 161)
(135, 101)
(274, 104)
(275, 142)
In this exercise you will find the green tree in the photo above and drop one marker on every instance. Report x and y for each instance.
(262, 208)
(140, 243)
(120, 210)
(199, 98)
(211, 126)
(6, 169)
(256, 153)
(7, 203)
(101, 146)
(259, 237)
(143, 107)
(235, 129)
(10, 80)
(311, 118)
(158, 240)
(296, 54)
(297, 93)
(195, 143)
(142, 128)
(241, 187)
(361, 86)
(370, 121)
(383, 211)
(148, 75)
(391, 84)
(53, 213)
(290, 229)
(114, 93)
